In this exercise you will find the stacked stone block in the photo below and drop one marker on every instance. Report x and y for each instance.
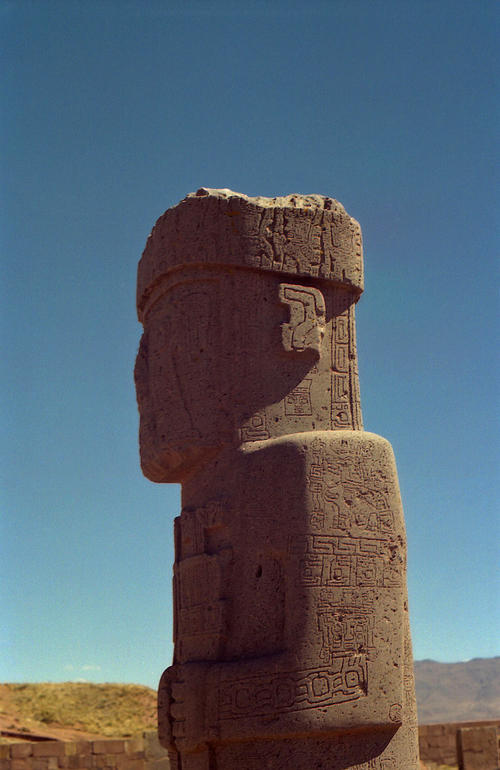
(438, 743)
(141, 753)
(441, 743)
(477, 748)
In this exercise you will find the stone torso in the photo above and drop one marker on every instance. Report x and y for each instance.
(292, 645)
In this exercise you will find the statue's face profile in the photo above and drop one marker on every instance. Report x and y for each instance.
(220, 348)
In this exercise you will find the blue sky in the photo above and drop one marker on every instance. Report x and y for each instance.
(113, 111)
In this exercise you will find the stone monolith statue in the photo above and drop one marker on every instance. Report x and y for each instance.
(292, 643)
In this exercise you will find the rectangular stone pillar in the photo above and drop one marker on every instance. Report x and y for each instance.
(292, 642)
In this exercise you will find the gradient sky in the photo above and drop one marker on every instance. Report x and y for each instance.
(112, 111)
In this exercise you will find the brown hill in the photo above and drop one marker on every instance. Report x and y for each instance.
(458, 692)
(74, 710)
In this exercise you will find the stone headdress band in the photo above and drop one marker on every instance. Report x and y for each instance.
(296, 235)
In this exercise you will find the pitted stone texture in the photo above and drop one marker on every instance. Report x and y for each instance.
(297, 235)
(230, 355)
(292, 644)
(290, 611)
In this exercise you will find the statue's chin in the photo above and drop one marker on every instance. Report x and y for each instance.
(175, 463)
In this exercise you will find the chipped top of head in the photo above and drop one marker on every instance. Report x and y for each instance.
(294, 235)
(294, 201)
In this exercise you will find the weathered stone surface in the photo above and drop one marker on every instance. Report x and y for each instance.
(18, 750)
(152, 747)
(478, 748)
(297, 235)
(49, 749)
(211, 370)
(292, 643)
(106, 746)
(21, 764)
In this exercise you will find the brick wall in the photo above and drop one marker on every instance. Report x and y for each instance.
(478, 748)
(142, 753)
(438, 743)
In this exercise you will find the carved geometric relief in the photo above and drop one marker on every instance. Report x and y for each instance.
(343, 236)
(341, 416)
(340, 387)
(255, 428)
(317, 520)
(343, 499)
(298, 401)
(344, 630)
(368, 572)
(305, 330)
(332, 561)
(342, 329)
(341, 405)
(345, 399)
(341, 358)
(199, 580)
(201, 610)
(345, 679)
(200, 528)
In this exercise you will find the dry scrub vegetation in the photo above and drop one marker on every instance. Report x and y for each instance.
(103, 709)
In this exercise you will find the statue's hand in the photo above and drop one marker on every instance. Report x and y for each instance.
(181, 707)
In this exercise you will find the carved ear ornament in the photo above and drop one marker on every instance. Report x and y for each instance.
(304, 332)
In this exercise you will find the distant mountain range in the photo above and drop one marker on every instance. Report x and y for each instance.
(458, 692)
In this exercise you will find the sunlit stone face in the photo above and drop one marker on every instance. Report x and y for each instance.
(176, 379)
(218, 356)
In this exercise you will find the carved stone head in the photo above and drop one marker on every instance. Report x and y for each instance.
(248, 313)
